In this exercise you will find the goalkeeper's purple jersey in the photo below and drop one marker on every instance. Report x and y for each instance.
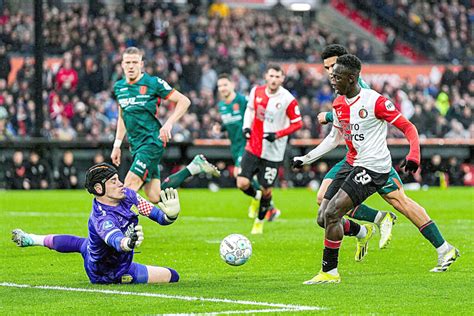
(103, 263)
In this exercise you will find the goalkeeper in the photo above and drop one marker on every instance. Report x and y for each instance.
(114, 232)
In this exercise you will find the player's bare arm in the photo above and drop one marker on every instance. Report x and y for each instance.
(119, 135)
(182, 105)
(322, 118)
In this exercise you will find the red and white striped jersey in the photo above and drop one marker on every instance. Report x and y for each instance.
(363, 123)
(270, 114)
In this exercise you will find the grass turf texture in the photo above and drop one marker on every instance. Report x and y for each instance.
(394, 280)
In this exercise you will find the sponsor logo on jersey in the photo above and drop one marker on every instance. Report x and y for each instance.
(258, 99)
(363, 113)
(261, 113)
(297, 110)
(130, 101)
(339, 113)
(123, 89)
(107, 225)
(127, 278)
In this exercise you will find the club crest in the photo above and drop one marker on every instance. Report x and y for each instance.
(363, 113)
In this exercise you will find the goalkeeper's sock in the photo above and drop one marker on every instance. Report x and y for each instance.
(64, 243)
(350, 228)
(365, 213)
(174, 275)
(431, 232)
(176, 179)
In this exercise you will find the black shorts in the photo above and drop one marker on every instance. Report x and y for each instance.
(358, 182)
(265, 170)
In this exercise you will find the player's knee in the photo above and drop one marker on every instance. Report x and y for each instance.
(267, 192)
(243, 183)
(320, 220)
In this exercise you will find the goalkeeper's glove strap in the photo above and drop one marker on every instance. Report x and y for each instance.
(160, 217)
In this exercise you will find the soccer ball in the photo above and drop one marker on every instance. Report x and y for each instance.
(235, 249)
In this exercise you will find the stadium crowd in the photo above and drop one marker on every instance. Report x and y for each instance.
(189, 50)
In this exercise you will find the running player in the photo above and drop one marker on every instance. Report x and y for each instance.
(232, 109)
(114, 232)
(272, 114)
(360, 118)
(139, 96)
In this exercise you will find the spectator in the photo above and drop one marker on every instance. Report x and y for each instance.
(38, 172)
(5, 65)
(218, 9)
(16, 173)
(66, 176)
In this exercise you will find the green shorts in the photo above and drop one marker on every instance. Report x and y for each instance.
(393, 183)
(146, 162)
(237, 155)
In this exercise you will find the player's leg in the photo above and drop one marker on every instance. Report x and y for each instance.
(248, 168)
(362, 212)
(60, 243)
(139, 273)
(152, 190)
(447, 253)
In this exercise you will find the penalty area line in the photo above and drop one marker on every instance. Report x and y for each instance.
(279, 307)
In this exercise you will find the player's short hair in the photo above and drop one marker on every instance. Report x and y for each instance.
(350, 62)
(132, 50)
(99, 173)
(274, 67)
(333, 50)
(224, 75)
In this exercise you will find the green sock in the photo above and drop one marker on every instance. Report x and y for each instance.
(431, 232)
(364, 213)
(255, 184)
(176, 179)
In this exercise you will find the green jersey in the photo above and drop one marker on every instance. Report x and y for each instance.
(232, 115)
(139, 102)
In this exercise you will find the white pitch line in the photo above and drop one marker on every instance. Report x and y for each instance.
(252, 311)
(167, 296)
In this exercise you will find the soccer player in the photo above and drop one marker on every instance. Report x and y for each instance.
(360, 118)
(383, 220)
(139, 96)
(114, 232)
(232, 109)
(272, 114)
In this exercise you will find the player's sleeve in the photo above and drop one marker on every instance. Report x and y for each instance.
(243, 105)
(329, 117)
(335, 120)
(250, 110)
(163, 88)
(149, 210)
(385, 110)
(294, 114)
(329, 143)
(109, 231)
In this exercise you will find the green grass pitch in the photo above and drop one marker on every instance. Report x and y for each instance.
(389, 281)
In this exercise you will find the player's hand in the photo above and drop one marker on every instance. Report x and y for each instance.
(115, 156)
(236, 171)
(135, 240)
(246, 132)
(322, 118)
(165, 133)
(409, 165)
(297, 163)
(271, 137)
(170, 203)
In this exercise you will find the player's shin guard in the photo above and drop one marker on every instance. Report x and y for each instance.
(350, 228)
(364, 213)
(64, 243)
(331, 254)
(176, 179)
(174, 275)
(265, 204)
(431, 232)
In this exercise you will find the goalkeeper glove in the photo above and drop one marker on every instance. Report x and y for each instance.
(135, 240)
(170, 203)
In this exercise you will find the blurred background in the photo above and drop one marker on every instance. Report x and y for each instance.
(58, 116)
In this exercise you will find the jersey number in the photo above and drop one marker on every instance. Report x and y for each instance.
(362, 177)
(270, 174)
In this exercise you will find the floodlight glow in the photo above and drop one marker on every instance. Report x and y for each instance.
(300, 7)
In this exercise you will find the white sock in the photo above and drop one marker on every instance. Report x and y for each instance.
(443, 248)
(193, 168)
(379, 217)
(258, 196)
(38, 240)
(362, 232)
(333, 272)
